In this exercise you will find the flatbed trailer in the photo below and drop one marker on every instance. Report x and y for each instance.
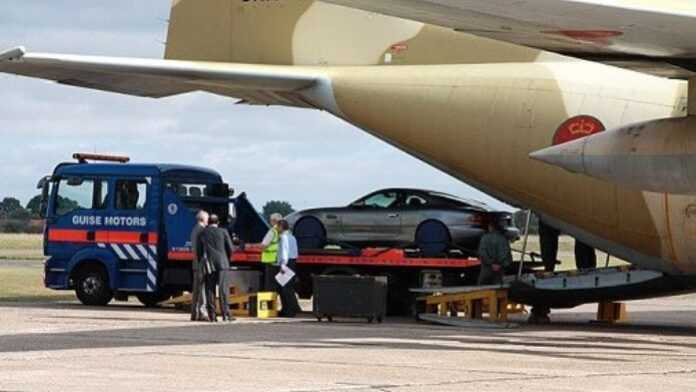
(403, 270)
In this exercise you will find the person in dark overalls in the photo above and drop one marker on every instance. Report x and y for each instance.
(495, 255)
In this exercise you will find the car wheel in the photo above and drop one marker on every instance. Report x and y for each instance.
(433, 238)
(92, 286)
(310, 233)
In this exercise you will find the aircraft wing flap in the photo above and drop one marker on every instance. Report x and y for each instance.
(156, 78)
(624, 32)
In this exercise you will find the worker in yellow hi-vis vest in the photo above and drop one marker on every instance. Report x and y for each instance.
(269, 254)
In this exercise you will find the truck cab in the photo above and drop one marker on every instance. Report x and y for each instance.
(115, 229)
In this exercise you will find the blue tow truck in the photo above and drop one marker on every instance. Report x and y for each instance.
(114, 229)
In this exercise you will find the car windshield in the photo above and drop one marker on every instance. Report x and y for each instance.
(458, 200)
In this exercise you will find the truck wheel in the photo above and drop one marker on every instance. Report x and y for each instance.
(92, 286)
(433, 238)
(310, 233)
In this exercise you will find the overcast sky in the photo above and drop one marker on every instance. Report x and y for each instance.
(306, 157)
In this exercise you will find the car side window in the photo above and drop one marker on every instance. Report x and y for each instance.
(381, 200)
(131, 194)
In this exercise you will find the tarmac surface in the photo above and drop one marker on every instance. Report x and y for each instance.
(67, 346)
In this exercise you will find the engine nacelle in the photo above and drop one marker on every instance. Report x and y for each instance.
(657, 156)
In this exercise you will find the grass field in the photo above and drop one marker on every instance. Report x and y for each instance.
(566, 247)
(21, 270)
(21, 247)
(25, 284)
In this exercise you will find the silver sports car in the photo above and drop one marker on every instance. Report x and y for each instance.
(432, 222)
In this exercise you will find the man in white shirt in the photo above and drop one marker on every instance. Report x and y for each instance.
(287, 260)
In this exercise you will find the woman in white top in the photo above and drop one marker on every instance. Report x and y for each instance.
(287, 260)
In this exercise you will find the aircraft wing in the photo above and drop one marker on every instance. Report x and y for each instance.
(254, 84)
(652, 36)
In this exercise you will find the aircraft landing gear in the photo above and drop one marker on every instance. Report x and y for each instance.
(539, 315)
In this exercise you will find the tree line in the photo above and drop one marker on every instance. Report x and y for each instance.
(16, 218)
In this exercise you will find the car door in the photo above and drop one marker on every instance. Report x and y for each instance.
(413, 212)
(373, 219)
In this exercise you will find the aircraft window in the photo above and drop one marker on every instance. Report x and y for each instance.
(381, 200)
(131, 194)
(75, 194)
(415, 201)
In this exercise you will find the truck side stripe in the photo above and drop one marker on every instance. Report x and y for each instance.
(121, 237)
(119, 252)
(131, 252)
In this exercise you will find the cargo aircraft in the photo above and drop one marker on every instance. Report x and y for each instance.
(582, 111)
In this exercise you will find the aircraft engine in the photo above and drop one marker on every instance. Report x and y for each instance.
(657, 156)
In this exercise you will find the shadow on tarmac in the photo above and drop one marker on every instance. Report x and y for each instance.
(396, 334)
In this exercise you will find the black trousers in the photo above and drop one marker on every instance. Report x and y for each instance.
(585, 256)
(487, 276)
(269, 273)
(218, 283)
(548, 242)
(288, 296)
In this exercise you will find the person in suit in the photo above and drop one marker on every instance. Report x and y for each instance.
(287, 260)
(215, 244)
(198, 301)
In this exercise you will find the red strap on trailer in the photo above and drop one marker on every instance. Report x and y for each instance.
(368, 257)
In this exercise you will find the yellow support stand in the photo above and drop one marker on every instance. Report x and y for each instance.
(266, 305)
(474, 304)
(611, 312)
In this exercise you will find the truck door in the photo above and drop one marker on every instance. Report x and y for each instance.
(178, 222)
(75, 217)
(132, 232)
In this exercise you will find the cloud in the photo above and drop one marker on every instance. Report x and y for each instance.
(307, 157)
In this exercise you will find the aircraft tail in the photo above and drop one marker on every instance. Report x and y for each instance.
(308, 32)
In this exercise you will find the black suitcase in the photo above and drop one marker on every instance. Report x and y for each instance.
(350, 296)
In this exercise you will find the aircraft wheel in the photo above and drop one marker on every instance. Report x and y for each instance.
(433, 238)
(310, 233)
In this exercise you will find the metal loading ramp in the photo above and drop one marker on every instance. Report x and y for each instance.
(470, 303)
(474, 305)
